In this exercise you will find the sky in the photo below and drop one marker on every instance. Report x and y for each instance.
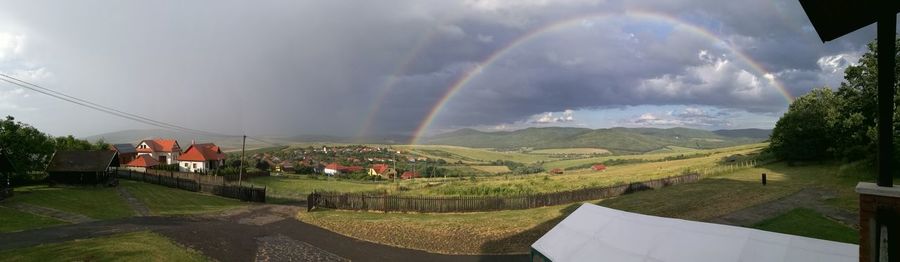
(370, 68)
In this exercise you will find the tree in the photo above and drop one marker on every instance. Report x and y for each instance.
(27, 148)
(71, 143)
(805, 130)
(837, 124)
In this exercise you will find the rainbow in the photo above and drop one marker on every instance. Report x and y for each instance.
(467, 76)
(399, 70)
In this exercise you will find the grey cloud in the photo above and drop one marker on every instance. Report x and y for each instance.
(307, 67)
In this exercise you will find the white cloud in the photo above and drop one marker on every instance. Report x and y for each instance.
(11, 45)
(547, 117)
(837, 63)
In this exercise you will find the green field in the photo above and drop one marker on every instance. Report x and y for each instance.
(806, 222)
(18, 221)
(137, 246)
(509, 185)
(492, 169)
(470, 155)
(94, 202)
(169, 201)
(301, 186)
(515, 230)
(572, 151)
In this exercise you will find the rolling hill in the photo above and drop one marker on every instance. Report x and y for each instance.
(619, 139)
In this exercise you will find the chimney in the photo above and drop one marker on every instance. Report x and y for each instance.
(192, 141)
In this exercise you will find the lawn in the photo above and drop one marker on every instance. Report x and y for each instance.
(18, 221)
(806, 222)
(514, 230)
(94, 202)
(301, 186)
(457, 233)
(137, 246)
(169, 201)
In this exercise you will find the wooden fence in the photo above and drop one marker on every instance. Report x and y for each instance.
(197, 183)
(388, 203)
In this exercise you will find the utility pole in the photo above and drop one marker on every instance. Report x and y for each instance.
(241, 169)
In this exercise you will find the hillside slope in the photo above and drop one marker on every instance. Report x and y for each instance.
(619, 139)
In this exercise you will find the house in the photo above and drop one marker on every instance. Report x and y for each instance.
(201, 158)
(382, 170)
(166, 151)
(598, 167)
(127, 152)
(337, 169)
(287, 166)
(556, 171)
(409, 175)
(332, 169)
(142, 163)
(82, 167)
(595, 233)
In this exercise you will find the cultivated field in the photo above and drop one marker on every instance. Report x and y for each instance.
(572, 151)
(510, 185)
(513, 231)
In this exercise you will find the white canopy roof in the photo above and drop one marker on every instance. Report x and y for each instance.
(595, 233)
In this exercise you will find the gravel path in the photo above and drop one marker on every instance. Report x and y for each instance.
(134, 203)
(50, 212)
(283, 248)
(812, 198)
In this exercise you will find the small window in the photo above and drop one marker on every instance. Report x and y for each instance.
(195, 165)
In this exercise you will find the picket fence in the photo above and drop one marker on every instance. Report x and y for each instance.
(198, 183)
(391, 203)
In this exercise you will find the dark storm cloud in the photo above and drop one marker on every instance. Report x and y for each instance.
(314, 67)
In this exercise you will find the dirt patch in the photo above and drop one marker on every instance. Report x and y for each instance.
(133, 202)
(812, 198)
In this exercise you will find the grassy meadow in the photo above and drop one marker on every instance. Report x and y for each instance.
(170, 201)
(18, 221)
(94, 202)
(513, 231)
(509, 185)
(137, 246)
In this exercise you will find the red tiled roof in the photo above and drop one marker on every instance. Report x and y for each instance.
(143, 161)
(339, 167)
(202, 152)
(380, 168)
(160, 145)
(409, 174)
(599, 167)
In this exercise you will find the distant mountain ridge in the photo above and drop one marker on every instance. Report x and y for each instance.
(618, 139)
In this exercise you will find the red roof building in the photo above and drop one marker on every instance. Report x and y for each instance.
(409, 175)
(201, 157)
(166, 151)
(556, 171)
(380, 168)
(144, 161)
(598, 167)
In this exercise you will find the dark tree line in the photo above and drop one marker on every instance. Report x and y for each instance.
(29, 149)
(836, 124)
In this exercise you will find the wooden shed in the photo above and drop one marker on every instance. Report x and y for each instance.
(82, 167)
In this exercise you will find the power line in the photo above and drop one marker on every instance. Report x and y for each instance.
(113, 111)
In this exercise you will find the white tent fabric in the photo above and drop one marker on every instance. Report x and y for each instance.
(595, 233)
